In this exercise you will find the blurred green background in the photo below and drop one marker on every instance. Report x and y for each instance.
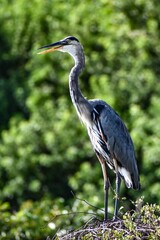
(45, 153)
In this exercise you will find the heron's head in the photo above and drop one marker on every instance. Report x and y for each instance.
(69, 44)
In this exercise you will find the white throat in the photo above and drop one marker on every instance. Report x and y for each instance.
(73, 50)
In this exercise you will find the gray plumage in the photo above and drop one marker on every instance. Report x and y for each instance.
(118, 143)
(109, 136)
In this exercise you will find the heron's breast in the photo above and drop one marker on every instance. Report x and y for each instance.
(97, 142)
(85, 116)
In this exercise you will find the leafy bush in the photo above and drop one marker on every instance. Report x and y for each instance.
(45, 220)
(142, 224)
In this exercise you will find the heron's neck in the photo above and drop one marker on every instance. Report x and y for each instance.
(81, 104)
(75, 91)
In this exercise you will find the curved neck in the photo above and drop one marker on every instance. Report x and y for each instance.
(75, 91)
(81, 104)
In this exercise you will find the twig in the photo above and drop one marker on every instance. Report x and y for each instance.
(89, 204)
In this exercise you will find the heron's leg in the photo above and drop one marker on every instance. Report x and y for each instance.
(106, 188)
(106, 185)
(118, 183)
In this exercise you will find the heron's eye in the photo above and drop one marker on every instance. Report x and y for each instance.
(64, 43)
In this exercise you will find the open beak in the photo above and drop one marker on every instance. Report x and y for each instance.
(51, 47)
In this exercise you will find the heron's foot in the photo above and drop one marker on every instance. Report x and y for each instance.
(115, 218)
(105, 220)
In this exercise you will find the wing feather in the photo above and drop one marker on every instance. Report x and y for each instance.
(116, 136)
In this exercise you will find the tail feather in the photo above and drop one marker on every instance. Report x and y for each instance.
(131, 180)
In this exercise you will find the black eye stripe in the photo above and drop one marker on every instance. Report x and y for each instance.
(71, 38)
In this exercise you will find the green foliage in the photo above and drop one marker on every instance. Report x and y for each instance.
(43, 220)
(26, 223)
(32, 221)
(44, 151)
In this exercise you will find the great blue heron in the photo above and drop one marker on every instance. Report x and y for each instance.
(107, 132)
